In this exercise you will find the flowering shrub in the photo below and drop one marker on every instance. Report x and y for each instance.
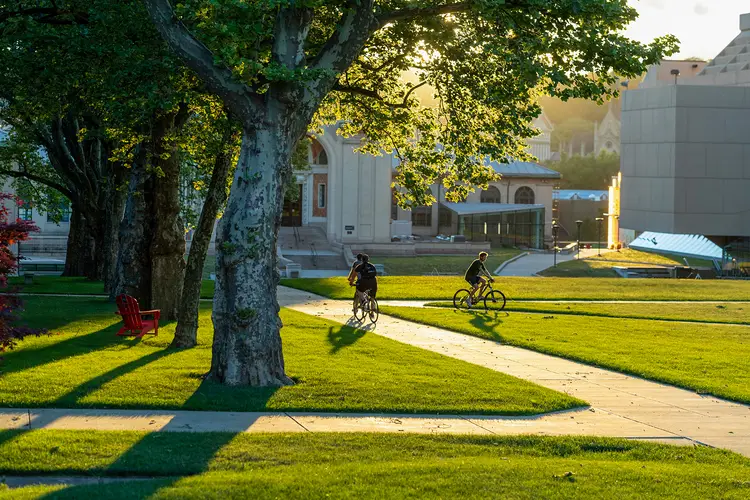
(10, 303)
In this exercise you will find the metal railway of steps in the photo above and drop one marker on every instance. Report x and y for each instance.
(308, 246)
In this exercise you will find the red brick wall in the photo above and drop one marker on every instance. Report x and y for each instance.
(319, 179)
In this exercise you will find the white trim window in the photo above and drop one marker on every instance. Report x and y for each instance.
(321, 195)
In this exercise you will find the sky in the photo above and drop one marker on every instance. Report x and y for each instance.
(704, 27)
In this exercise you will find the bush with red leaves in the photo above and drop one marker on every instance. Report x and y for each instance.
(10, 303)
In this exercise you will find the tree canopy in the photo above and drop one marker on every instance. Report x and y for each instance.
(487, 61)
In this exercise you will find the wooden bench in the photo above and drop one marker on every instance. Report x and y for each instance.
(135, 322)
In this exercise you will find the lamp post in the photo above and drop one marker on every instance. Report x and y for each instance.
(675, 73)
(599, 221)
(578, 243)
(555, 228)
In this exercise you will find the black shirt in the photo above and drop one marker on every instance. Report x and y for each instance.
(475, 268)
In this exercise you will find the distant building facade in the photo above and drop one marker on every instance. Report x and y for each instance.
(685, 159)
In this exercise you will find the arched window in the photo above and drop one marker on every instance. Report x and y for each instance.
(525, 196)
(608, 145)
(318, 153)
(490, 195)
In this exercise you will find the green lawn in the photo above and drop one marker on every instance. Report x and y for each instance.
(370, 466)
(729, 312)
(526, 288)
(421, 265)
(78, 286)
(714, 360)
(337, 368)
(601, 266)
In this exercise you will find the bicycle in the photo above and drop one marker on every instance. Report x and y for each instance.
(486, 294)
(367, 307)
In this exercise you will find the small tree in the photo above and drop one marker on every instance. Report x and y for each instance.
(10, 233)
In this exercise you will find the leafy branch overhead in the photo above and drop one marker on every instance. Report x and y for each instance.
(413, 75)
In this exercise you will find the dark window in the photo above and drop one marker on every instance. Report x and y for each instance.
(490, 195)
(25, 211)
(445, 217)
(525, 196)
(321, 195)
(394, 205)
(421, 216)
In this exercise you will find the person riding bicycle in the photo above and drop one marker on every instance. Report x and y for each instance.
(367, 277)
(354, 278)
(473, 275)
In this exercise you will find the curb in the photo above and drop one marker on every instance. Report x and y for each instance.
(509, 261)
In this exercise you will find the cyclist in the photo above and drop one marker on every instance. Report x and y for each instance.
(354, 278)
(367, 277)
(473, 275)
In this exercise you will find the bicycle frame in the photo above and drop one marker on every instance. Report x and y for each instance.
(482, 290)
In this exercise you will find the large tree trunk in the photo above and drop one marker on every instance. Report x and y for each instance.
(150, 262)
(133, 274)
(116, 196)
(79, 253)
(247, 343)
(168, 244)
(186, 334)
(85, 246)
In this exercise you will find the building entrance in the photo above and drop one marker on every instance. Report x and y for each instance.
(291, 215)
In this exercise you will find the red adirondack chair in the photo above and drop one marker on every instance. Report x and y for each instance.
(135, 320)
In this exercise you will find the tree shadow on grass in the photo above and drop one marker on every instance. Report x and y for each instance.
(26, 359)
(73, 398)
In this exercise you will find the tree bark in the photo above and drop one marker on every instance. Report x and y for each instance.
(186, 334)
(81, 248)
(150, 261)
(247, 344)
(114, 210)
(168, 243)
(133, 273)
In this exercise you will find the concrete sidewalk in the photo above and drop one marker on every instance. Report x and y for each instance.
(581, 422)
(662, 410)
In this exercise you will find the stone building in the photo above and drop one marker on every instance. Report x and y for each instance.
(686, 150)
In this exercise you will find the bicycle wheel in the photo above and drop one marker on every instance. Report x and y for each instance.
(460, 299)
(359, 311)
(496, 298)
(374, 311)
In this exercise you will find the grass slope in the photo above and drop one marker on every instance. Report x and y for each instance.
(337, 368)
(713, 360)
(525, 288)
(420, 265)
(370, 466)
(601, 266)
(734, 313)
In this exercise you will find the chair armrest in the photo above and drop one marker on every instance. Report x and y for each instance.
(155, 313)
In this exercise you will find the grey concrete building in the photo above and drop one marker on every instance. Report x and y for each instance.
(685, 158)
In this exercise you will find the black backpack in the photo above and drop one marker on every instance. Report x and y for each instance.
(368, 271)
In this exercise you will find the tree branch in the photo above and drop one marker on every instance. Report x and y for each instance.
(375, 95)
(414, 12)
(219, 80)
(41, 180)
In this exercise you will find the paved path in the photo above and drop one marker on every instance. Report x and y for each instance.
(533, 263)
(629, 403)
(587, 421)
